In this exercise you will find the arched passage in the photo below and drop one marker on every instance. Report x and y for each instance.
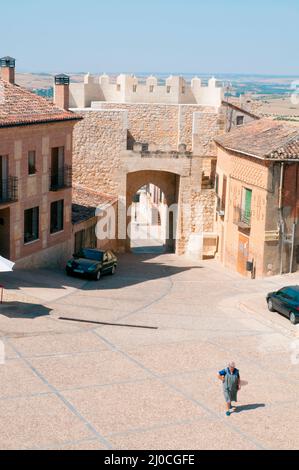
(168, 185)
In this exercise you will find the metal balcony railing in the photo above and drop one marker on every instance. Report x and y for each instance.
(61, 179)
(242, 217)
(8, 189)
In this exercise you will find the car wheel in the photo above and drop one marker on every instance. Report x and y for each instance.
(98, 276)
(113, 270)
(293, 318)
(270, 306)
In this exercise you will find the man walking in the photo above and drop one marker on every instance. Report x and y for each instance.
(230, 377)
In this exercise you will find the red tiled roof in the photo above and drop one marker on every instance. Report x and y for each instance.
(19, 106)
(86, 201)
(265, 139)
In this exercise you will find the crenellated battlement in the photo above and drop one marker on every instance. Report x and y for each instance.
(130, 89)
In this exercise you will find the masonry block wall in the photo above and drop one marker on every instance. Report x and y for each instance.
(129, 89)
(101, 160)
(99, 140)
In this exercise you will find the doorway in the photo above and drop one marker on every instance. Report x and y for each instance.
(243, 254)
(5, 233)
(148, 220)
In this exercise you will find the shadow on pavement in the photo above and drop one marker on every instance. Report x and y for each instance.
(133, 269)
(256, 406)
(23, 310)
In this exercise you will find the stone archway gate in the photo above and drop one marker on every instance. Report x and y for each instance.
(178, 175)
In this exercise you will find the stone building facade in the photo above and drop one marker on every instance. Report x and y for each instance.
(35, 175)
(257, 187)
(126, 141)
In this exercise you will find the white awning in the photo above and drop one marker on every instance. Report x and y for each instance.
(6, 266)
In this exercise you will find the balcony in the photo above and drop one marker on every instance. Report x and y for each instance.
(9, 190)
(242, 218)
(61, 178)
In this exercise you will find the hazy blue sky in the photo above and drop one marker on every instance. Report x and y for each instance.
(253, 36)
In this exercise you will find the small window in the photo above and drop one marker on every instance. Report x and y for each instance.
(134, 88)
(168, 89)
(217, 184)
(32, 162)
(118, 87)
(31, 225)
(151, 88)
(240, 120)
(57, 216)
(183, 90)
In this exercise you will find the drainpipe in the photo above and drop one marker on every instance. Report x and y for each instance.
(281, 221)
(294, 224)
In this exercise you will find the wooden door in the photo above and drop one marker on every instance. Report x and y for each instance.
(243, 254)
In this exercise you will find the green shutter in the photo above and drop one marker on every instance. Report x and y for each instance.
(247, 208)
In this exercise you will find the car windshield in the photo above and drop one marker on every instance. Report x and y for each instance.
(90, 254)
(289, 293)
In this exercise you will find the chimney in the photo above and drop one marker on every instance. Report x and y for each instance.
(8, 67)
(62, 91)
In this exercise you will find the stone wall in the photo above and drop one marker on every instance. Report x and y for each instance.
(102, 161)
(98, 142)
(129, 89)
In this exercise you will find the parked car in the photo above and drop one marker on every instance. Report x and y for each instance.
(286, 302)
(92, 263)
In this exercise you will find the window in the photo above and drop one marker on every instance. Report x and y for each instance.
(246, 206)
(31, 225)
(31, 162)
(168, 89)
(183, 90)
(240, 120)
(58, 175)
(134, 88)
(57, 216)
(118, 87)
(151, 88)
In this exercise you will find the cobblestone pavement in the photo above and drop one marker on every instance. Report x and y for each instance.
(70, 385)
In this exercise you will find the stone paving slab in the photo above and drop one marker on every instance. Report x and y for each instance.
(69, 385)
(59, 344)
(34, 421)
(126, 407)
(86, 370)
(201, 435)
(17, 380)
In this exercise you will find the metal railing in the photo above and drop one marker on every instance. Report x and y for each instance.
(242, 217)
(8, 189)
(61, 179)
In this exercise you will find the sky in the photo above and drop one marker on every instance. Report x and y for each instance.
(131, 36)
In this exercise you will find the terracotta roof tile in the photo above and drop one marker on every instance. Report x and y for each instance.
(86, 201)
(19, 106)
(265, 139)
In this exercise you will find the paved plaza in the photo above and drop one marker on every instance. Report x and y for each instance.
(146, 377)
